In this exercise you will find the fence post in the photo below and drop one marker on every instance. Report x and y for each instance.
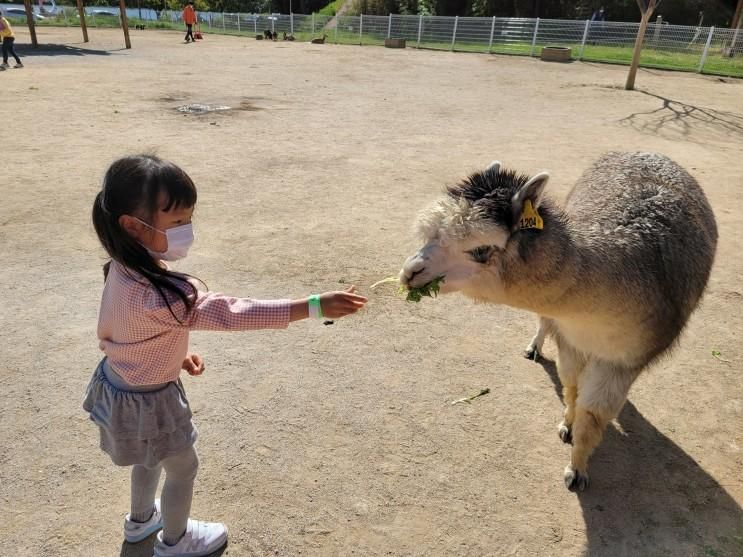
(534, 38)
(583, 42)
(361, 28)
(255, 24)
(335, 33)
(64, 13)
(210, 19)
(238, 22)
(223, 22)
(313, 23)
(706, 48)
(291, 23)
(656, 31)
(454, 34)
(492, 30)
(420, 27)
(389, 27)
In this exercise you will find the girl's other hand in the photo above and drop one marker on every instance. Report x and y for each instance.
(341, 303)
(193, 364)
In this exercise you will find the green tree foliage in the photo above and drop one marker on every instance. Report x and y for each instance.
(679, 12)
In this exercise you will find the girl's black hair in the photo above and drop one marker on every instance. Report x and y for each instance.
(133, 186)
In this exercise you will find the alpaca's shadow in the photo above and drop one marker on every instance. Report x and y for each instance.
(648, 497)
(677, 119)
(145, 548)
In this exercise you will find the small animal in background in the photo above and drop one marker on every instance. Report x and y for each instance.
(320, 41)
(139, 27)
(267, 33)
(288, 37)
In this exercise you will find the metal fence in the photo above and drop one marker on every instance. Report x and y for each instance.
(701, 49)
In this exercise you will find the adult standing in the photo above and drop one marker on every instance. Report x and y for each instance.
(6, 32)
(189, 18)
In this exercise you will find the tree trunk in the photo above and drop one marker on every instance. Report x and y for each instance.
(736, 16)
(630, 85)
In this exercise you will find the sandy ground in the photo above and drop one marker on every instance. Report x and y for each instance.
(339, 440)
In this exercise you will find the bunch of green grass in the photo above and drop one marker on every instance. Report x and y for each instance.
(430, 289)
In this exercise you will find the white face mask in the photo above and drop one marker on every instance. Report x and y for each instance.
(179, 240)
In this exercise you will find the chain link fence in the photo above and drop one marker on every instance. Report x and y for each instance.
(700, 49)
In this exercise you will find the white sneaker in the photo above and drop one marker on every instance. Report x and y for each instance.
(4, 65)
(200, 539)
(137, 531)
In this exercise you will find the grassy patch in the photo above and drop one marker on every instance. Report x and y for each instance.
(332, 8)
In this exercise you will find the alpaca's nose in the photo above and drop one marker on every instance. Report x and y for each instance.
(413, 266)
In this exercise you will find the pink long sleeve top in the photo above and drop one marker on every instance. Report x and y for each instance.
(146, 345)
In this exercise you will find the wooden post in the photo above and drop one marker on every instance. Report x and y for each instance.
(736, 16)
(30, 21)
(125, 23)
(83, 25)
(647, 11)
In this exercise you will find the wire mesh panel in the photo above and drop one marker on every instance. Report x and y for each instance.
(473, 34)
(513, 35)
(405, 27)
(375, 29)
(725, 53)
(348, 29)
(437, 32)
(553, 32)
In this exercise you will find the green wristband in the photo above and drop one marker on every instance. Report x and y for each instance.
(315, 307)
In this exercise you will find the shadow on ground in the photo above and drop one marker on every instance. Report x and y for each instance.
(680, 120)
(648, 497)
(61, 50)
(145, 548)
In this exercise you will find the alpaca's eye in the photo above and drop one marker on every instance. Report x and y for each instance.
(481, 254)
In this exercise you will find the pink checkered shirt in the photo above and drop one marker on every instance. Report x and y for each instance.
(146, 345)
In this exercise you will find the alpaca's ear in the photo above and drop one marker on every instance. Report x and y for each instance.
(494, 166)
(532, 191)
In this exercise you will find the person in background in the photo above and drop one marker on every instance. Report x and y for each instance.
(189, 18)
(6, 32)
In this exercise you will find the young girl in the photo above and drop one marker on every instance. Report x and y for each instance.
(142, 217)
(6, 32)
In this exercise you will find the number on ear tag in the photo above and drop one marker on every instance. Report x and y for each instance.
(530, 218)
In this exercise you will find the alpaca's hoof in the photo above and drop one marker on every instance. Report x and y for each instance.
(531, 353)
(566, 433)
(574, 479)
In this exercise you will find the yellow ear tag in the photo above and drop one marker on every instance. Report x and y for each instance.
(530, 218)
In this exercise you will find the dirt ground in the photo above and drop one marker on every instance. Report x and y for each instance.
(340, 440)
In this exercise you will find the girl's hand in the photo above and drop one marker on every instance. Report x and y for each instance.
(193, 364)
(341, 303)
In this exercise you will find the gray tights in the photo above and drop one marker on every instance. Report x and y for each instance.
(175, 501)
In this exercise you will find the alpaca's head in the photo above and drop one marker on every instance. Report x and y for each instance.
(472, 230)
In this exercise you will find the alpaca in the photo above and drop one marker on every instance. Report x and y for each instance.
(614, 275)
(320, 41)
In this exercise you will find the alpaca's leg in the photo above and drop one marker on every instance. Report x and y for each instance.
(570, 365)
(534, 350)
(602, 390)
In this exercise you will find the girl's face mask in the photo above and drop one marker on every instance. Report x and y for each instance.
(179, 238)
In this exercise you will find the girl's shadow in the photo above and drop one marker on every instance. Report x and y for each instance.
(648, 497)
(145, 548)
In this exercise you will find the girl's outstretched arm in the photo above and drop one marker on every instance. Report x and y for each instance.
(334, 304)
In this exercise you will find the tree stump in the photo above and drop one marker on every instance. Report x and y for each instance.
(556, 54)
(394, 43)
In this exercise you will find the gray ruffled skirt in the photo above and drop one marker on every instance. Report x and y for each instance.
(139, 427)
